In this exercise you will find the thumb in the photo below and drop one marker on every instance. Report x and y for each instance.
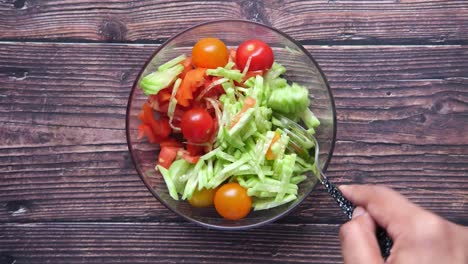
(358, 242)
(389, 209)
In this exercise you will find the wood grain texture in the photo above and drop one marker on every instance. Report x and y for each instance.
(312, 21)
(166, 243)
(68, 189)
(402, 115)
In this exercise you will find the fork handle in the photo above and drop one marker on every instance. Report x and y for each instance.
(385, 242)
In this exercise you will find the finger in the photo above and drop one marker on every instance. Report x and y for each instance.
(358, 242)
(388, 208)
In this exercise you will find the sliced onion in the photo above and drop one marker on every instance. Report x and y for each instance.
(215, 104)
(211, 86)
(247, 65)
(173, 104)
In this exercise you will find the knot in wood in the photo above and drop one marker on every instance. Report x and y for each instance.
(113, 30)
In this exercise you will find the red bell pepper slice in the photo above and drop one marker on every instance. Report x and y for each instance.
(192, 81)
(161, 127)
(166, 156)
(145, 130)
(164, 96)
(187, 63)
(269, 154)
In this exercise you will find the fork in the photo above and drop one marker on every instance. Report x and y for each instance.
(296, 132)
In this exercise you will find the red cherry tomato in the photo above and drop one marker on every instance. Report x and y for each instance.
(195, 150)
(262, 55)
(197, 125)
(210, 53)
(232, 202)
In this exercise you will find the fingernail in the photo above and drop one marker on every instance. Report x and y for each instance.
(344, 189)
(358, 211)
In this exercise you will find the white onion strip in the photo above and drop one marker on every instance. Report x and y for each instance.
(218, 113)
(211, 86)
(173, 104)
(247, 65)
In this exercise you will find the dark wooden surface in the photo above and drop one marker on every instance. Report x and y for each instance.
(68, 190)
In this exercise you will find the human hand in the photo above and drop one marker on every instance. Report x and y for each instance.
(418, 236)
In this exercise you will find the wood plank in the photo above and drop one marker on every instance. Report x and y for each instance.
(312, 21)
(166, 243)
(63, 154)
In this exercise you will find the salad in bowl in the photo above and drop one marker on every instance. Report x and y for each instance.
(209, 112)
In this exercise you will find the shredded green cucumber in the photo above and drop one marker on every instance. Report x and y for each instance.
(156, 81)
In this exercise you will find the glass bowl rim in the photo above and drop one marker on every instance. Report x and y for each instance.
(147, 184)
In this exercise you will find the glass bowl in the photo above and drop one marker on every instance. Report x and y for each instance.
(301, 68)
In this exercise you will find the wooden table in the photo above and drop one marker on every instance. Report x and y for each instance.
(68, 190)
